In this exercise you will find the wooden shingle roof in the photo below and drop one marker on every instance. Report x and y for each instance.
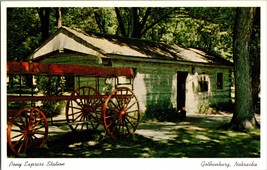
(110, 46)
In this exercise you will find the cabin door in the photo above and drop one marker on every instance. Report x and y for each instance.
(181, 89)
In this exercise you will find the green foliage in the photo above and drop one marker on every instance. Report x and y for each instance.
(162, 111)
(50, 86)
(207, 108)
(90, 19)
(209, 29)
(23, 33)
(203, 108)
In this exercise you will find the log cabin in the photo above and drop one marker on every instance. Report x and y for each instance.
(166, 76)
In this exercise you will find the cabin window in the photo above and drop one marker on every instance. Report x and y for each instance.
(203, 83)
(219, 80)
(69, 82)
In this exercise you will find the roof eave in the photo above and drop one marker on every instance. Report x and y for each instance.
(165, 61)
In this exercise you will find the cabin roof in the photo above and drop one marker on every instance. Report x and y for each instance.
(110, 46)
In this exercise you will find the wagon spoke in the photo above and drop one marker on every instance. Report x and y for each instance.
(26, 119)
(18, 140)
(88, 120)
(81, 115)
(82, 119)
(114, 128)
(110, 124)
(40, 127)
(26, 145)
(118, 101)
(110, 116)
(125, 114)
(76, 127)
(21, 145)
(31, 139)
(18, 125)
(132, 117)
(128, 100)
(77, 102)
(131, 106)
(36, 123)
(86, 111)
(39, 132)
(114, 105)
(129, 122)
(94, 115)
(122, 128)
(31, 114)
(17, 136)
(22, 121)
(133, 111)
(39, 122)
(96, 101)
(16, 130)
(82, 126)
(126, 125)
(73, 107)
(89, 99)
(75, 113)
(125, 99)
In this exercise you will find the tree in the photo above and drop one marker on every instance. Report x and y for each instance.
(22, 33)
(255, 56)
(135, 22)
(44, 15)
(243, 117)
(58, 17)
(205, 28)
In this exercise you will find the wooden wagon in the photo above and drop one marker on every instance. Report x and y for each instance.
(85, 107)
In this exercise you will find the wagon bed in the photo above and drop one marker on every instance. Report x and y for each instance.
(85, 108)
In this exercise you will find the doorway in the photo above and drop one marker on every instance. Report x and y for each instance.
(181, 89)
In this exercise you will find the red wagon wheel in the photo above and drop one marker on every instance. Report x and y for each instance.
(84, 113)
(121, 113)
(28, 128)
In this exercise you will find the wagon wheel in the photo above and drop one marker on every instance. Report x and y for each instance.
(84, 113)
(121, 113)
(27, 129)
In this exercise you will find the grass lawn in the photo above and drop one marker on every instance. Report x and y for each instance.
(198, 136)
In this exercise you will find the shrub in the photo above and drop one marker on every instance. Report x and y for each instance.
(50, 86)
(203, 108)
(162, 111)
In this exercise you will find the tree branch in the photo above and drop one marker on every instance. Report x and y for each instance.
(157, 21)
(119, 18)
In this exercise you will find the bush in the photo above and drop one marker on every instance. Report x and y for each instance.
(53, 86)
(203, 108)
(207, 108)
(163, 111)
(224, 106)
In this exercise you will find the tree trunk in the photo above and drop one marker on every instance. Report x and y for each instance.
(120, 21)
(243, 117)
(44, 15)
(138, 23)
(59, 17)
(256, 61)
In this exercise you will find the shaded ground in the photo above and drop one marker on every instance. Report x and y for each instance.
(198, 136)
